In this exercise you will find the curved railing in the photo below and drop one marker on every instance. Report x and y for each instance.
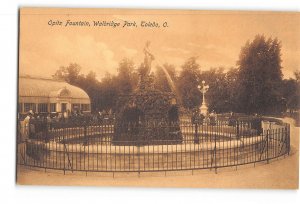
(89, 147)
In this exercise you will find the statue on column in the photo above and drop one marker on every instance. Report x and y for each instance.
(146, 66)
(148, 58)
(145, 78)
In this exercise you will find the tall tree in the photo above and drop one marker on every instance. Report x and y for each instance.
(91, 85)
(222, 84)
(232, 84)
(297, 76)
(127, 78)
(108, 92)
(291, 92)
(69, 74)
(260, 76)
(188, 81)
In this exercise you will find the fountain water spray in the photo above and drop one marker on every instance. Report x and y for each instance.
(171, 83)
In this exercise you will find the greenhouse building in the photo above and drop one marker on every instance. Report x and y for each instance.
(42, 95)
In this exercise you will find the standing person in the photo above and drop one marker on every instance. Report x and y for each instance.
(231, 121)
(194, 116)
(49, 120)
(60, 117)
(100, 116)
(212, 118)
(26, 125)
(66, 115)
(32, 123)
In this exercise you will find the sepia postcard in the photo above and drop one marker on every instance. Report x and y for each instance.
(158, 98)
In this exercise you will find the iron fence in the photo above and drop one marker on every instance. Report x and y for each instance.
(90, 145)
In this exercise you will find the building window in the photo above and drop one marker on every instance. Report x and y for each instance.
(63, 107)
(20, 107)
(52, 107)
(42, 107)
(75, 107)
(29, 106)
(85, 107)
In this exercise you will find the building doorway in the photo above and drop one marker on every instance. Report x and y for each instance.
(63, 107)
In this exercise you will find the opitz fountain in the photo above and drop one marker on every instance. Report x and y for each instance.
(148, 115)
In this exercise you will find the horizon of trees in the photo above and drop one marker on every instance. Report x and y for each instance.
(255, 85)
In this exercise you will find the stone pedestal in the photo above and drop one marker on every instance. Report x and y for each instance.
(147, 116)
(204, 109)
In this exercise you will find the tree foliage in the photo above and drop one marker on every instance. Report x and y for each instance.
(255, 86)
(260, 76)
(104, 93)
(291, 92)
(221, 94)
(69, 74)
(187, 83)
(127, 78)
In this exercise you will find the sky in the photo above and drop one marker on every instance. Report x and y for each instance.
(215, 37)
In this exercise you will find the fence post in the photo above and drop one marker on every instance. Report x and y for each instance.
(215, 153)
(85, 145)
(63, 135)
(138, 146)
(139, 158)
(196, 139)
(47, 138)
(267, 141)
(287, 134)
(85, 133)
(18, 141)
(46, 131)
(237, 129)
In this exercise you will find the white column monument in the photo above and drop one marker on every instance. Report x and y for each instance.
(203, 89)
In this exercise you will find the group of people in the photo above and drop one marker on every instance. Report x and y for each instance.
(51, 116)
(199, 118)
(34, 124)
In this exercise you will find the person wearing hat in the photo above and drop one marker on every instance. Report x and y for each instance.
(27, 123)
